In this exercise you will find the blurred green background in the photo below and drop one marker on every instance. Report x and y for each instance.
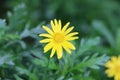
(21, 54)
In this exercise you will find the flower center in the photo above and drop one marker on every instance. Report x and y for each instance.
(58, 37)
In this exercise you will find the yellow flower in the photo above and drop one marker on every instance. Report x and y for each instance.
(58, 38)
(113, 66)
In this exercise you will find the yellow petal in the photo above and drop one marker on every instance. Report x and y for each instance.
(65, 27)
(48, 47)
(60, 24)
(45, 40)
(71, 38)
(68, 30)
(109, 73)
(118, 58)
(72, 34)
(114, 59)
(55, 21)
(70, 45)
(45, 35)
(66, 48)
(56, 26)
(53, 25)
(116, 77)
(109, 64)
(53, 51)
(48, 30)
(59, 51)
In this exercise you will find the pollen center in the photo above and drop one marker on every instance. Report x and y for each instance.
(58, 37)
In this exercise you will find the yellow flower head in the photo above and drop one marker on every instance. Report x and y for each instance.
(58, 38)
(113, 66)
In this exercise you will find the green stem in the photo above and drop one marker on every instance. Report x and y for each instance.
(46, 71)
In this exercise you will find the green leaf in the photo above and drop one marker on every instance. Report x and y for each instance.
(18, 17)
(86, 45)
(22, 70)
(77, 77)
(92, 62)
(6, 60)
(17, 77)
(103, 30)
(2, 23)
(118, 41)
(44, 62)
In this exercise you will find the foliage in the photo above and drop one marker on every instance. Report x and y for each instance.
(21, 54)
